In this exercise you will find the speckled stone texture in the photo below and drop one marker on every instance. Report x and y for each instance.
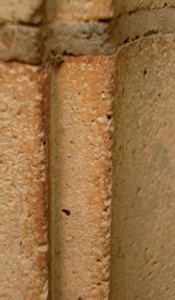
(79, 10)
(20, 43)
(23, 222)
(82, 91)
(129, 6)
(21, 11)
(89, 10)
(143, 227)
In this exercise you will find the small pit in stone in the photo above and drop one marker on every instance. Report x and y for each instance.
(108, 117)
(66, 211)
(126, 40)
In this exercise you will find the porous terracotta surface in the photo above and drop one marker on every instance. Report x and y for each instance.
(128, 6)
(79, 10)
(21, 11)
(143, 23)
(143, 210)
(99, 10)
(78, 38)
(81, 96)
(23, 215)
(20, 43)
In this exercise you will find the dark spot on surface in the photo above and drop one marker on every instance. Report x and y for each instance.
(105, 209)
(65, 52)
(44, 142)
(146, 249)
(145, 72)
(121, 147)
(109, 117)
(104, 20)
(126, 40)
(67, 212)
(150, 274)
(150, 32)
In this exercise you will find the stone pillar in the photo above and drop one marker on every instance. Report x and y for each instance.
(143, 209)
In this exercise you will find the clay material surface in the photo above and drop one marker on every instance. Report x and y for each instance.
(79, 10)
(20, 43)
(82, 91)
(143, 227)
(130, 27)
(129, 6)
(78, 38)
(32, 44)
(23, 218)
(21, 11)
(90, 10)
(96, 38)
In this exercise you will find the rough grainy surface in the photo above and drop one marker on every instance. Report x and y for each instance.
(21, 43)
(69, 10)
(82, 91)
(96, 38)
(143, 226)
(128, 6)
(78, 38)
(130, 27)
(79, 10)
(32, 44)
(21, 11)
(23, 233)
